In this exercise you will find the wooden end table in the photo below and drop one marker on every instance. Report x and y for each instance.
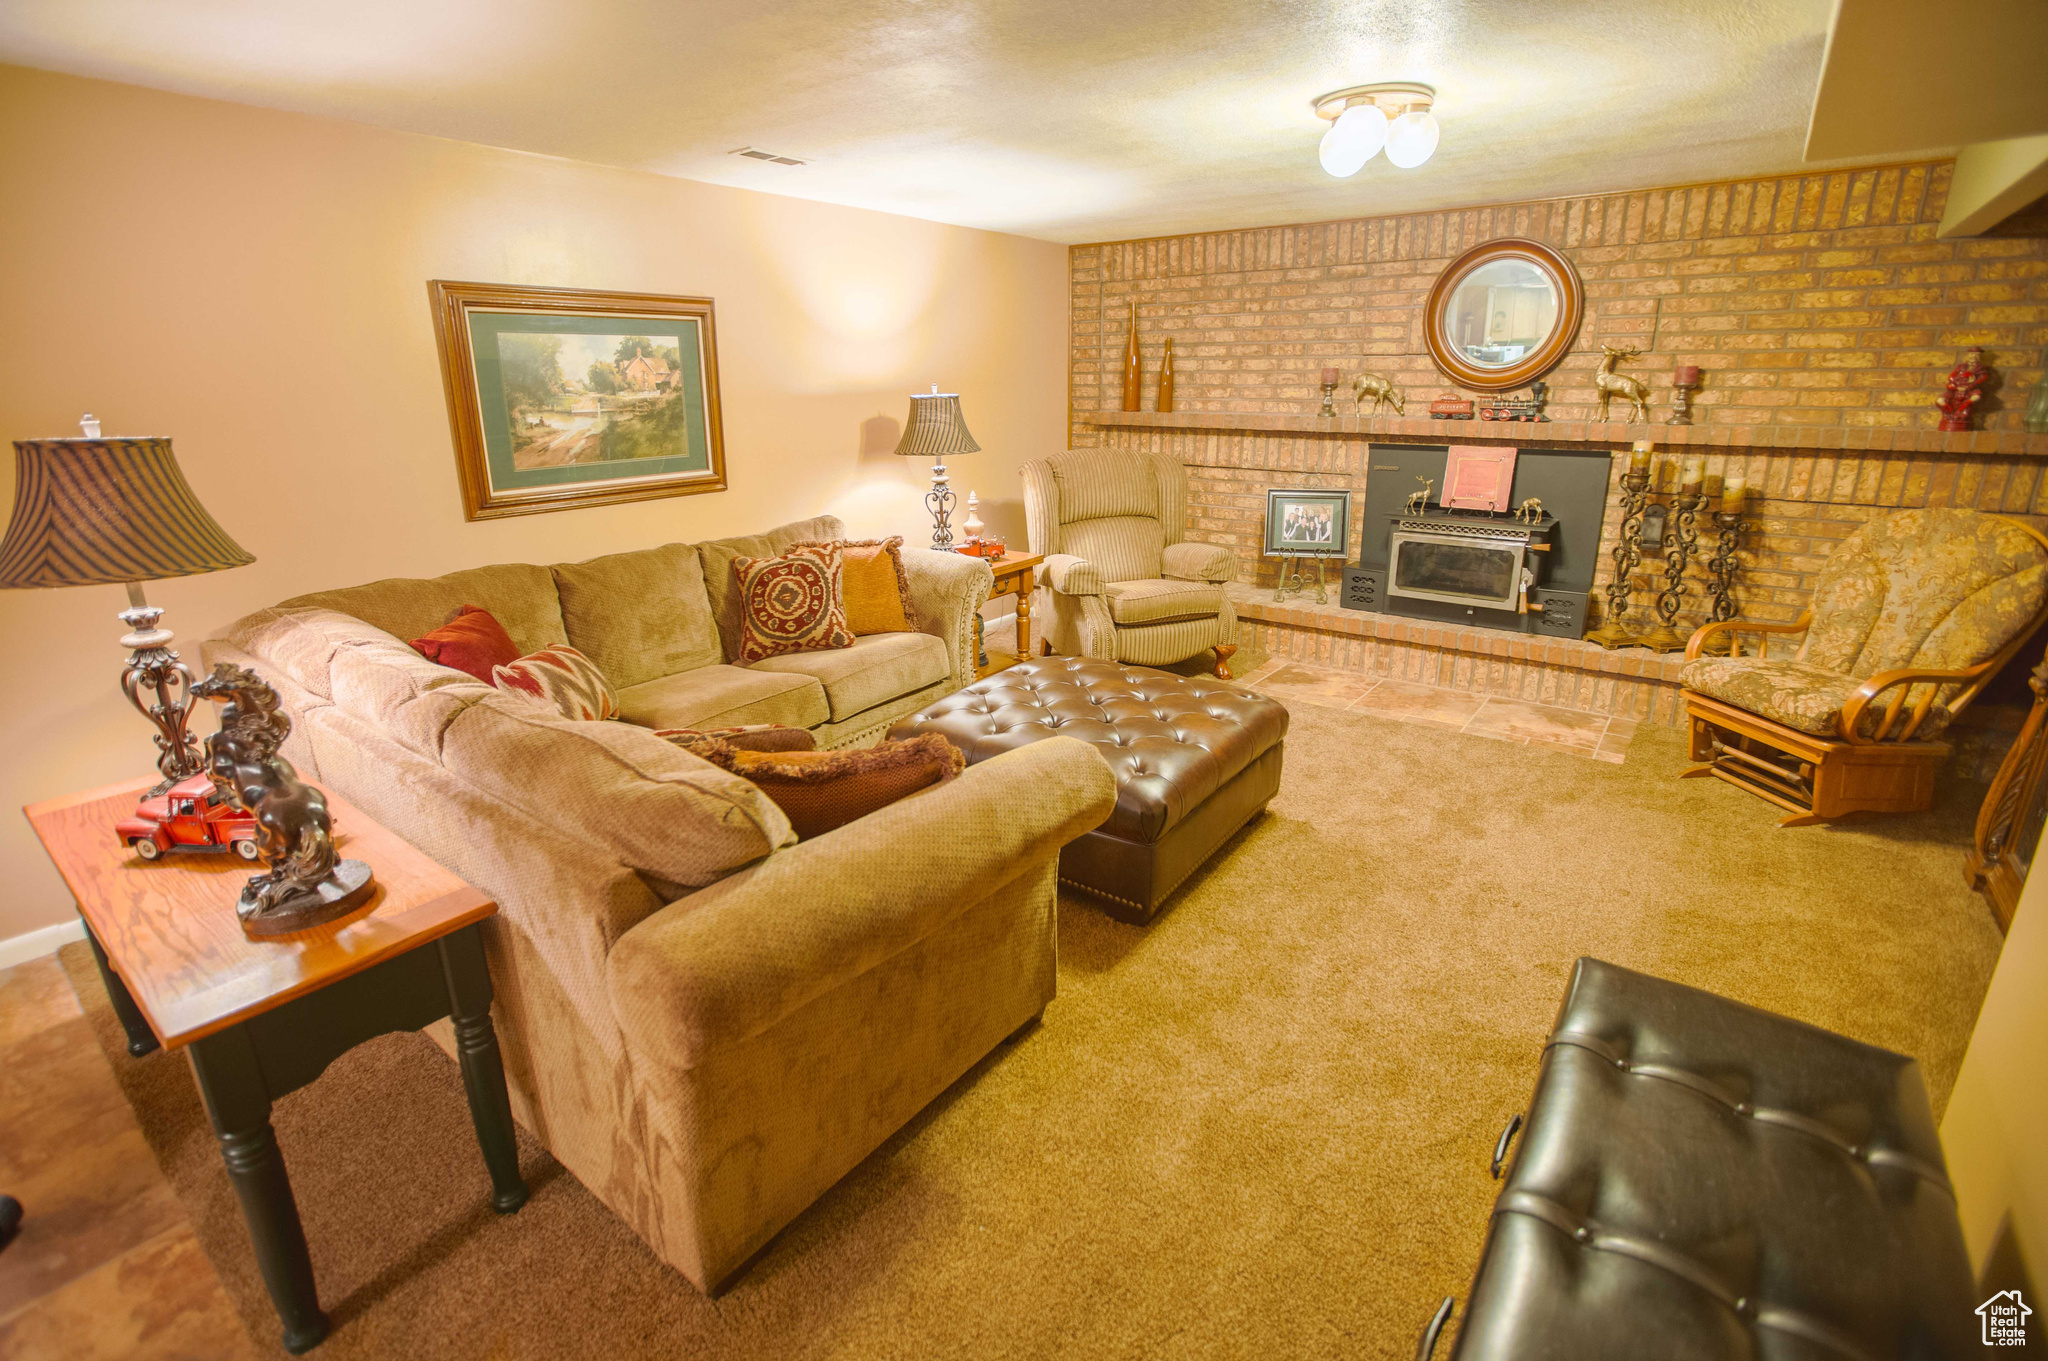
(260, 1018)
(1015, 575)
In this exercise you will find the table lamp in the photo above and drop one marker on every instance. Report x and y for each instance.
(936, 427)
(97, 512)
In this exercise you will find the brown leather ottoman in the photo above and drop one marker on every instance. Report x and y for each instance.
(1194, 758)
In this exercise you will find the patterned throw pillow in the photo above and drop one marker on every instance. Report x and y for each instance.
(563, 679)
(791, 603)
(872, 583)
(821, 790)
(751, 737)
(473, 641)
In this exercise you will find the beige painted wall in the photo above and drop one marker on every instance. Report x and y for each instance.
(253, 284)
(1995, 1130)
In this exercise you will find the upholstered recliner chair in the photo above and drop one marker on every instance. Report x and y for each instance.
(1912, 614)
(1120, 580)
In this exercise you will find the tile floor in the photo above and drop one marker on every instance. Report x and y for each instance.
(1507, 720)
(106, 1264)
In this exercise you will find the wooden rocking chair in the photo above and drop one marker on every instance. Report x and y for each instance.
(1911, 616)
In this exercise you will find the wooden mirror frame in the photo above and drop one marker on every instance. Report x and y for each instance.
(1571, 310)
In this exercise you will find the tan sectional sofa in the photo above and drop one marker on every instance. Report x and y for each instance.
(707, 1022)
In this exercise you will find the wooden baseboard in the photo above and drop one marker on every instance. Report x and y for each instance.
(35, 944)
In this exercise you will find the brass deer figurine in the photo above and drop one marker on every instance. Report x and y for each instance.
(1611, 384)
(1382, 391)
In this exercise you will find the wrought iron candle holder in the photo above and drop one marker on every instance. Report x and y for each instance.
(1721, 569)
(1681, 538)
(1628, 555)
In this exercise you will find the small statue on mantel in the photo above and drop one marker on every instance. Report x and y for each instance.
(1965, 386)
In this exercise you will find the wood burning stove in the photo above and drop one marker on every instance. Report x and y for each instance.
(1460, 564)
(1478, 567)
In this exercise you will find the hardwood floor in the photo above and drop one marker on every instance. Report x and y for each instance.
(106, 1264)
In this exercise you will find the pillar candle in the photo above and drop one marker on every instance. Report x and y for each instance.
(1691, 474)
(1330, 377)
(1639, 457)
(1733, 493)
(1686, 376)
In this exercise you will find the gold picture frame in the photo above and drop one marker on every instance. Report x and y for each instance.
(560, 398)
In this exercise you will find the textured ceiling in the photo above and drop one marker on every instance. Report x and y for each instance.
(1073, 120)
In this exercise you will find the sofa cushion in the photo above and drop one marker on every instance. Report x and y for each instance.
(473, 641)
(718, 581)
(722, 696)
(791, 603)
(302, 643)
(872, 586)
(520, 595)
(561, 680)
(655, 807)
(1809, 698)
(1157, 601)
(821, 791)
(874, 670)
(641, 615)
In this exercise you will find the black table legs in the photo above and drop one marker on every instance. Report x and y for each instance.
(231, 1081)
(483, 1072)
(241, 1070)
(141, 1039)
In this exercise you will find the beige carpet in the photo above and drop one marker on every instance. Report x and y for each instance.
(1258, 1127)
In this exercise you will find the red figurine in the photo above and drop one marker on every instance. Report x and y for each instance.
(1965, 385)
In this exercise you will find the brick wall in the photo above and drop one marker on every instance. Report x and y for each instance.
(1820, 307)
(1808, 300)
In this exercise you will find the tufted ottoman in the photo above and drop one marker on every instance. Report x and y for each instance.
(1701, 1179)
(1195, 759)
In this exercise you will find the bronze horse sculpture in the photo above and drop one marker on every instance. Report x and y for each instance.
(306, 883)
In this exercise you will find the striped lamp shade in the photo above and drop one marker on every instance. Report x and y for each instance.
(91, 512)
(935, 427)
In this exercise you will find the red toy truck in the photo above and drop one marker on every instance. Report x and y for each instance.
(189, 816)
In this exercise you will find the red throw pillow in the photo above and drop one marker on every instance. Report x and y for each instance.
(473, 641)
(791, 603)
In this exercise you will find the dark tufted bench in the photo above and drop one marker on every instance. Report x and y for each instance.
(1700, 1179)
(1195, 759)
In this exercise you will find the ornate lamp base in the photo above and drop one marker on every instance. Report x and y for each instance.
(1612, 636)
(154, 671)
(939, 501)
(1663, 638)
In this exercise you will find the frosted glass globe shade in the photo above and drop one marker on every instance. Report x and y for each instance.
(1411, 140)
(1355, 138)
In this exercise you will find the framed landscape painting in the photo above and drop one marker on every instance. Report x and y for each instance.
(560, 397)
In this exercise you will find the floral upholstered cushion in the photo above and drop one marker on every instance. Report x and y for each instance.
(1809, 698)
(1942, 589)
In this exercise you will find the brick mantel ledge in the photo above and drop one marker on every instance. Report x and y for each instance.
(1858, 439)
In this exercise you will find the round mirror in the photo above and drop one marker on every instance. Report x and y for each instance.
(1503, 314)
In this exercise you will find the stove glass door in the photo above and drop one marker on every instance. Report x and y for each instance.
(1459, 570)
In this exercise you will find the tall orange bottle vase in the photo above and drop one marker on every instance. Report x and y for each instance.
(1134, 377)
(1166, 378)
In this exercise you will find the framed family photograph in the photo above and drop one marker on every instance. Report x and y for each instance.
(1303, 522)
(560, 398)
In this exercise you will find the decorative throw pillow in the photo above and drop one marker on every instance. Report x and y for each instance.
(752, 737)
(791, 603)
(473, 641)
(821, 790)
(564, 680)
(872, 583)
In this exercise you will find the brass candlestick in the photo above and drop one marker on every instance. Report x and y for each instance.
(1681, 537)
(1628, 555)
(1721, 579)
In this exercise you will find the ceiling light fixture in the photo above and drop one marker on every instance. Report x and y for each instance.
(1364, 118)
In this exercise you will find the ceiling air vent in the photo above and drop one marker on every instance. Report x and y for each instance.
(756, 154)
